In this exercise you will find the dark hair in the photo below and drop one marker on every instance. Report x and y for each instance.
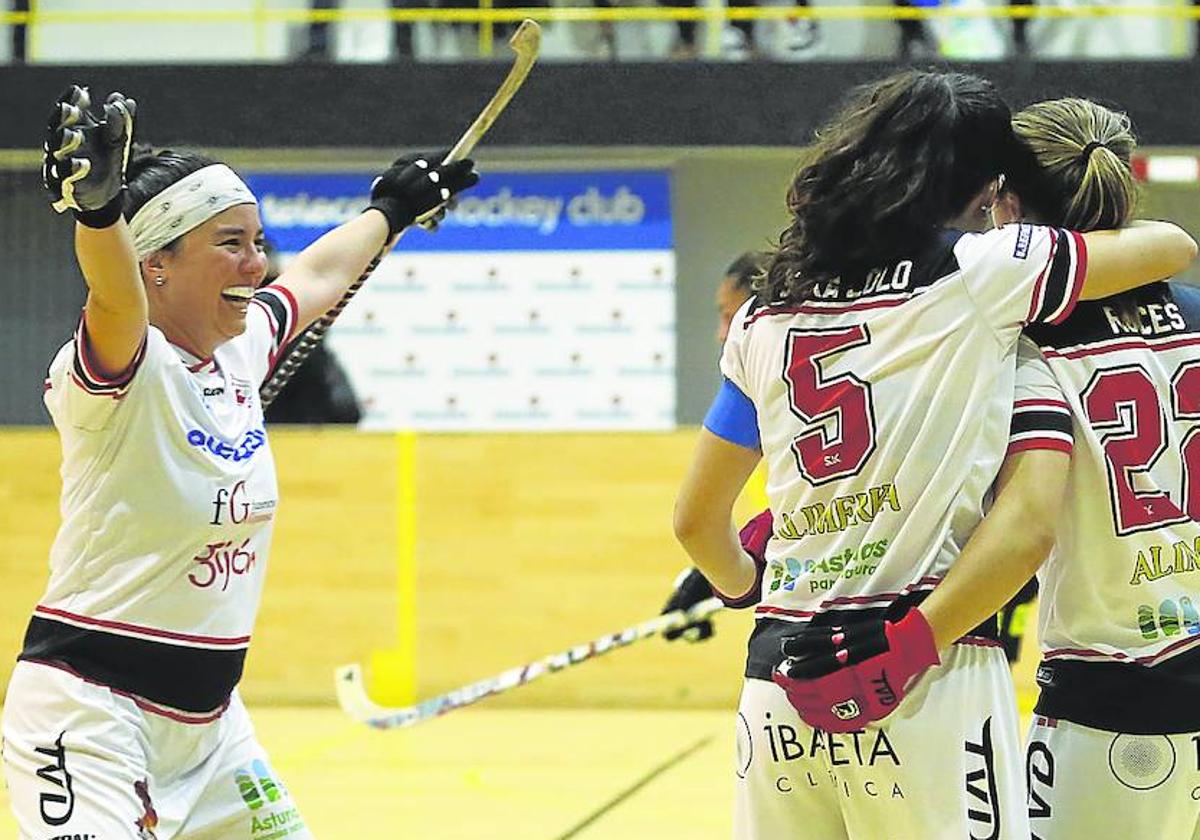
(1077, 174)
(902, 158)
(746, 269)
(149, 172)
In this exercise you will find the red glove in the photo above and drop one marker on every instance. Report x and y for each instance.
(840, 679)
(754, 537)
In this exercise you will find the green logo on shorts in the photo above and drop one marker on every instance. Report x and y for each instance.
(260, 790)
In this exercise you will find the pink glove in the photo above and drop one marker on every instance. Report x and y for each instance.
(754, 537)
(840, 679)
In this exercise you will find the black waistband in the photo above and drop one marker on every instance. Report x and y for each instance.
(764, 649)
(1123, 697)
(189, 679)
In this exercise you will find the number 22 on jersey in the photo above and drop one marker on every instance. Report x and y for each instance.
(837, 412)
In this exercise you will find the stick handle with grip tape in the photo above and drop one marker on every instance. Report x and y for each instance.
(525, 43)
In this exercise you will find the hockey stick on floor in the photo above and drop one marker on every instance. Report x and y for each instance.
(525, 42)
(352, 693)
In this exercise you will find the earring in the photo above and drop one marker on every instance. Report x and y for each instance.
(160, 280)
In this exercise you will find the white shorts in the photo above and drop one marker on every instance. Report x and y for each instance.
(1087, 783)
(946, 765)
(84, 761)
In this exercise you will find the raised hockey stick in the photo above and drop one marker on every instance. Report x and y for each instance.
(352, 693)
(525, 42)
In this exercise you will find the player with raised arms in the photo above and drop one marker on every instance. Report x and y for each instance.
(875, 372)
(122, 718)
(1118, 717)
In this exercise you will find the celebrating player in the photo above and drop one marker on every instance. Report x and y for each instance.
(122, 718)
(877, 364)
(1119, 620)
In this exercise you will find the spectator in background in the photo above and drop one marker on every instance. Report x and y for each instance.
(735, 287)
(319, 48)
(319, 392)
(19, 33)
(737, 41)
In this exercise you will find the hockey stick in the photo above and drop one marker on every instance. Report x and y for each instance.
(525, 42)
(353, 698)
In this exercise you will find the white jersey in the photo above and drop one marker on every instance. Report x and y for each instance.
(884, 415)
(1123, 585)
(168, 503)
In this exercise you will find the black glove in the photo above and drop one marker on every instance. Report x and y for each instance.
(83, 167)
(412, 189)
(691, 588)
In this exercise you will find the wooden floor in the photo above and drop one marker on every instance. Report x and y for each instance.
(535, 774)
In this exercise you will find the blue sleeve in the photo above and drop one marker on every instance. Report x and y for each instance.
(1187, 298)
(732, 417)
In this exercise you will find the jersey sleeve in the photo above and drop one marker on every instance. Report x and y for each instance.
(732, 417)
(271, 322)
(77, 393)
(1023, 274)
(1041, 417)
(733, 365)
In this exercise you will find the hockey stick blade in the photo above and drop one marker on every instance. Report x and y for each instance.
(354, 700)
(525, 43)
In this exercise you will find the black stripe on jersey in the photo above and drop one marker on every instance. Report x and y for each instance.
(85, 373)
(1113, 696)
(280, 314)
(188, 679)
(765, 652)
(1025, 422)
(1060, 287)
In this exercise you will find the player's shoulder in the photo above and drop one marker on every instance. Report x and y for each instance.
(1016, 242)
(1155, 311)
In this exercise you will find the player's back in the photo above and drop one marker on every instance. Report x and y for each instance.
(883, 413)
(1122, 589)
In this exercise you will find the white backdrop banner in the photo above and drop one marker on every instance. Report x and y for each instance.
(545, 301)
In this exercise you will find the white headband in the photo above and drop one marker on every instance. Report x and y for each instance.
(187, 204)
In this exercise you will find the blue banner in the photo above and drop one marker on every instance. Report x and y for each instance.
(506, 211)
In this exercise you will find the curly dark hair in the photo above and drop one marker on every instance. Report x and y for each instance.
(903, 157)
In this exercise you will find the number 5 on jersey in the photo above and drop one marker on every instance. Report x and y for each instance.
(837, 412)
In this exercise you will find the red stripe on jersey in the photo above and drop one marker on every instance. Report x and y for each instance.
(1077, 280)
(1041, 443)
(141, 703)
(979, 641)
(1038, 298)
(1041, 404)
(213, 641)
(115, 393)
(829, 308)
(886, 597)
(293, 309)
(1088, 653)
(1131, 344)
(271, 320)
(93, 380)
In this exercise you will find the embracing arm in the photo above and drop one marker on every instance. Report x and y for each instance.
(1141, 253)
(704, 512)
(1006, 549)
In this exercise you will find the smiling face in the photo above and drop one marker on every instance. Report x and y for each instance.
(208, 280)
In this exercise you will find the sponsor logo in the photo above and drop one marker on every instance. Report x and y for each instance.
(242, 391)
(1141, 762)
(73, 837)
(851, 563)
(243, 450)
(221, 560)
(213, 392)
(841, 513)
(149, 818)
(984, 812)
(56, 806)
(1171, 618)
(883, 690)
(814, 762)
(1045, 675)
(267, 799)
(232, 506)
(1021, 248)
(1163, 561)
(1039, 779)
(846, 710)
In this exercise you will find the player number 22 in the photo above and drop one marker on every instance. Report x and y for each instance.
(837, 412)
(1124, 408)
